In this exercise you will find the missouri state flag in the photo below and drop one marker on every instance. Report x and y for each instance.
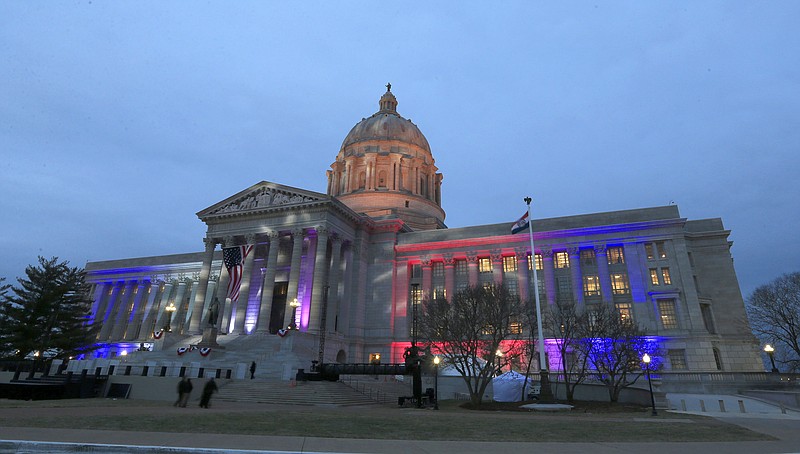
(233, 257)
(520, 225)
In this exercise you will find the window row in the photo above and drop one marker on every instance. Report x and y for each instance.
(663, 277)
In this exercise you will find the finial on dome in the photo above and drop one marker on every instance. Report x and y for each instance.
(388, 102)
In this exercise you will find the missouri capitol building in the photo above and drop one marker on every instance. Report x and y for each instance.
(344, 269)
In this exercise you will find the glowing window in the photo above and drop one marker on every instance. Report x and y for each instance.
(662, 252)
(665, 275)
(439, 292)
(515, 327)
(648, 249)
(484, 265)
(615, 255)
(654, 276)
(509, 264)
(562, 260)
(669, 317)
(619, 284)
(625, 312)
(591, 285)
(539, 263)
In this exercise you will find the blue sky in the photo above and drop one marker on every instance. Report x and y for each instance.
(120, 120)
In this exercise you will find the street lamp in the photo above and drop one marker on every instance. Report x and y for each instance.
(771, 353)
(436, 361)
(170, 309)
(646, 361)
(294, 304)
(499, 355)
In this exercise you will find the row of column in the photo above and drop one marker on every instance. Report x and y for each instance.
(326, 272)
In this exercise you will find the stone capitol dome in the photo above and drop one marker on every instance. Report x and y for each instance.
(385, 170)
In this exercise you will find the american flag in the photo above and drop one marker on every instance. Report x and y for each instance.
(233, 257)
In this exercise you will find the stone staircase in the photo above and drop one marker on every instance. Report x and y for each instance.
(292, 393)
(383, 389)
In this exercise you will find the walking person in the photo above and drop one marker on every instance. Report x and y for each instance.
(209, 389)
(181, 391)
(187, 390)
(252, 370)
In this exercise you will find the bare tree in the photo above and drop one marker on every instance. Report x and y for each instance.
(774, 311)
(614, 347)
(469, 329)
(567, 325)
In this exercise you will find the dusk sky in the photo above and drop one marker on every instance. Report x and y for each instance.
(120, 120)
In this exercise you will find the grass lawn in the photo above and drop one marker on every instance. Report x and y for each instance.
(496, 422)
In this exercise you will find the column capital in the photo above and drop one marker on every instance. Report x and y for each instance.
(496, 255)
(272, 235)
(228, 241)
(600, 249)
(521, 253)
(426, 261)
(472, 256)
(574, 250)
(250, 238)
(322, 230)
(211, 243)
(449, 260)
(298, 232)
(547, 252)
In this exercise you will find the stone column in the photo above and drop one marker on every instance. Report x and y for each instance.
(497, 266)
(449, 276)
(105, 317)
(268, 287)
(101, 301)
(577, 277)
(427, 278)
(145, 331)
(602, 269)
(319, 280)
(244, 290)
(178, 302)
(294, 274)
(135, 319)
(223, 324)
(121, 312)
(333, 283)
(160, 320)
(195, 323)
(523, 277)
(472, 268)
(549, 274)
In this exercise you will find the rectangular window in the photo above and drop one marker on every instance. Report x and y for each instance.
(540, 284)
(662, 251)
(461, 267)
(564, 287)
(619, 284)
(438, 270)
(511, 285)
(509, 264)
(588, 257)
(665, 276)
(653, 276)
(669, 317)
(591, 285)
(416, 270)
(539, 263)
(708, 318)
(562, 260)
(648, 249)
(439, 292)
(484, 265)
(616, 255)
(677, 359)
(625, 312)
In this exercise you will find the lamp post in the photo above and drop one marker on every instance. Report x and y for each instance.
(770, 350)
(436, 361)
(499, 355)
(646, 361)
(294, 305)
(170, 310)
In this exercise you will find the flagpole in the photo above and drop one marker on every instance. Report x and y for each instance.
(545, 393)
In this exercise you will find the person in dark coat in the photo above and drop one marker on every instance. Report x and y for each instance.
(252, 370)
(184, 388)
(209, 389)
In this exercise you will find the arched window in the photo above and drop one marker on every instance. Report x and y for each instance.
(362, 180)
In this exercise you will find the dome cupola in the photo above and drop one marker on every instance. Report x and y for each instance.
(385, 169)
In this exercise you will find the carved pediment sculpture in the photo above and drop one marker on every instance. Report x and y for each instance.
(263, 197)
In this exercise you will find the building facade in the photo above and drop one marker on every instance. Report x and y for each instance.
(345, 267)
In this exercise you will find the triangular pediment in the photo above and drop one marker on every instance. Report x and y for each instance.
(260, 197)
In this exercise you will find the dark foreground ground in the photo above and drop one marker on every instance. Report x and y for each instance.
(599, 428)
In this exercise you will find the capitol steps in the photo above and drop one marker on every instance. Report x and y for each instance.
(291, 393)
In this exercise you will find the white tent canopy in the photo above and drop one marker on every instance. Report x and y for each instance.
(508, 387)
